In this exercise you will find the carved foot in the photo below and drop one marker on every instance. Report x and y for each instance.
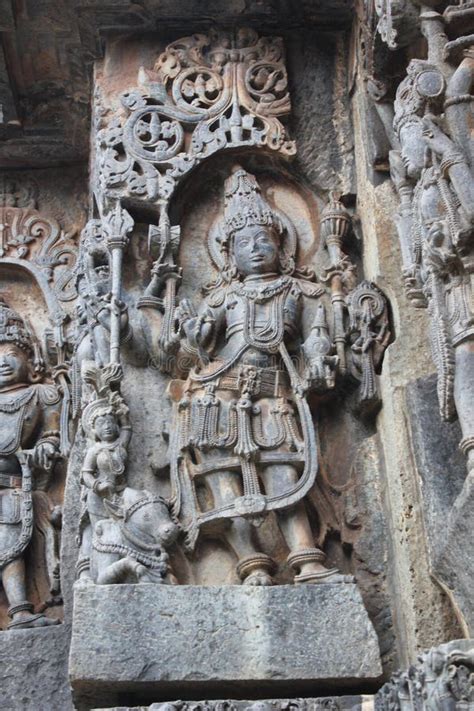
(326, 575)
(23, 618)
(258, 577)
(308, 564)
(255, 569)
(146, 575)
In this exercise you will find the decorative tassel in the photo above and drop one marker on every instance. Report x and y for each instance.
(184, 422)
(261, 438)
(245, 447)
(250, 478)
(206, 410)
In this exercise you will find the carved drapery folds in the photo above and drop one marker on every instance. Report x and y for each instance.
(241, 362)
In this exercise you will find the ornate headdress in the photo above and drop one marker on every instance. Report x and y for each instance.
(244, 204)
(13, 328)
(96, 408)
(424, 85)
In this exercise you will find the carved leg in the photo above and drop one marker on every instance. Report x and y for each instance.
(253, 567)
(464, 398)
(127, 570)
(102, 347)
(294, 524)
(20, 610)
(83, 566)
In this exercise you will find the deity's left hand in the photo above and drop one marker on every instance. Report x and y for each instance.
(436, 138)
(44, 455)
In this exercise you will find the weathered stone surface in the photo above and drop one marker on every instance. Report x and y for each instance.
(330, 703)
(454, 563)
(448, 507)
(163, 640)
(33, 670)
(438, 459)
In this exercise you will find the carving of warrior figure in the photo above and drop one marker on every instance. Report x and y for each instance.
(29, 420)
(95, 304)
(435, 181)
(243, 440)
(107, 425)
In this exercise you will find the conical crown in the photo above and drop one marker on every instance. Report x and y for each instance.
(244, 204)
(13, 328)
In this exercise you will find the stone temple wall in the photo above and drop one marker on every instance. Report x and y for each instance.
(236, 355)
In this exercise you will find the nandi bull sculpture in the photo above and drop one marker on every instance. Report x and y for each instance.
(124, 532)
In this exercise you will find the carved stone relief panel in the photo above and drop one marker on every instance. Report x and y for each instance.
(222, 317)
(431, 170)
(37, 260)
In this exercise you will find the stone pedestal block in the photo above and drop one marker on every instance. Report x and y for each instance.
(33, 669)
(149, 643)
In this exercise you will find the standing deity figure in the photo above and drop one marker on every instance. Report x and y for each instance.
(106, 423)
(434, 176)
(29, 445)
(243, 439)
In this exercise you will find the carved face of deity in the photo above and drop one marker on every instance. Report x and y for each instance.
(106, 427)
(13, 365)
(256, 250)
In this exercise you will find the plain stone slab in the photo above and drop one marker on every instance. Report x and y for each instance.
(164, 642)
(33, 670)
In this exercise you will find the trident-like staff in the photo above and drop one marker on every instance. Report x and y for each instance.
(117, 225)
(335, 224)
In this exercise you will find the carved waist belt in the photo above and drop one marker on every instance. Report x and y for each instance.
(262, 382)
(239, 327)
(10, 482)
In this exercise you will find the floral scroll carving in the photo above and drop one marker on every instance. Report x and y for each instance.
(26, 234)
(205, 93)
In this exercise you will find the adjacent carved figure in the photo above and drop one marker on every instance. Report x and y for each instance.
(243, 435)
(123, 531)
(432, 171)
(442, 680)
(29, 445)
(106, 424)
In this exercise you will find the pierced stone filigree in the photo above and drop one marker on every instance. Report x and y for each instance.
(205, 93)
(26, 234)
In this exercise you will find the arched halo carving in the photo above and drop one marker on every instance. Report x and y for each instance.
(205, 93)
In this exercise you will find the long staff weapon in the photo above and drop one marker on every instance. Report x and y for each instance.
(118, 224)
(335, 224)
